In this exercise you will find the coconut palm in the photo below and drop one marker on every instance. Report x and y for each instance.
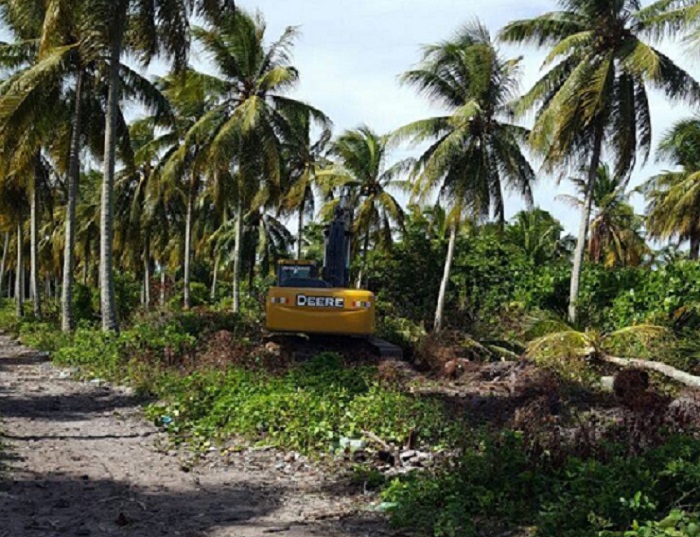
(244, 129)
(303, 160)
(475, 153)
(615, 237)
(13, 203)
(673, 197)
(22, 134)
(3, 261)
(539, 235)
(193, 95)
(145, 30)
(363, 168)
(594, 94)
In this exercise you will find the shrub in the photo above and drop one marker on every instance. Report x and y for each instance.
(43, 336)
(199, 296)
(498, 485)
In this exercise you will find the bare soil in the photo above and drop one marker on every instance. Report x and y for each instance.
(79, 459)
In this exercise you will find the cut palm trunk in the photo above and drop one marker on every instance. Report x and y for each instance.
(664, 369)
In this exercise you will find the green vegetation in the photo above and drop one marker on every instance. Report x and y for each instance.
(498, 485)
(152, 272)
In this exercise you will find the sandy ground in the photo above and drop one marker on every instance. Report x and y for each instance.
(79, 459)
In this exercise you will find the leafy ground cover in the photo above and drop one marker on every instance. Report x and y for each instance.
(547, 456)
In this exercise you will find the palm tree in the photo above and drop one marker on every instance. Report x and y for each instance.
(21, 135)
(192, 96)
(303, 161)
(363, 168)
(594, 94)
(539, 235)
(13, 200)
(673, 197)
(3, 262)
(143, 23)
(475, 154)
(245, 127)
(615, 230)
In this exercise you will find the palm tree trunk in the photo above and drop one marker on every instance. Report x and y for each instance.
(215, 277)
(67, 318)
(237, 252)
(34, 238)
(251, 277)
(363, 268)
(445, 278)
(162, 286)
(5, 248)
(583, 226)
(19, 284)
(300, 233)
(695, 247)
(86, 260)
(188, 246)
(110, 323)
(147, 274)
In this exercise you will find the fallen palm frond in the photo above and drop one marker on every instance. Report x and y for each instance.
(568, 351)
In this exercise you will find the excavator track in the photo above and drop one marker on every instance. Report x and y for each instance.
(355, 349)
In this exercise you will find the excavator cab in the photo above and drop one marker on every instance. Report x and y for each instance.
(301, 274)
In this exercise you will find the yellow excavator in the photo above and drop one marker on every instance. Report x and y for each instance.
(301, 302)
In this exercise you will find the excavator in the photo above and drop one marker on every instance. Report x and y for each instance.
(302, 303)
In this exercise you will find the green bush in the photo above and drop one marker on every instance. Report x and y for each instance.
(83, 305)
(677, 524)
(42, 336)
(658, 295)
(8, 319)
(497, 485)
(95, 352)
(199, 296)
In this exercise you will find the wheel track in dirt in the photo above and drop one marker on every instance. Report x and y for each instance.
(80, 460)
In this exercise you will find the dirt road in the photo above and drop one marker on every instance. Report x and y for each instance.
(80, 460)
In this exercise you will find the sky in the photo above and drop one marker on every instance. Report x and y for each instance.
(350, 55)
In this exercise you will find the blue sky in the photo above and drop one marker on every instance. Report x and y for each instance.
(350, 55)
